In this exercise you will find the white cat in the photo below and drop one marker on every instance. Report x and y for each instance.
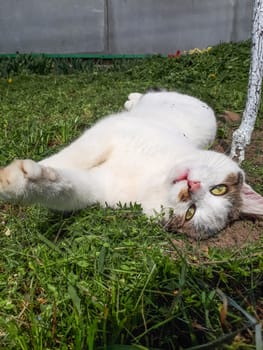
(153, 154)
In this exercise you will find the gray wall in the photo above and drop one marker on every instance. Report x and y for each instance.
(120, 26)
(52, 26)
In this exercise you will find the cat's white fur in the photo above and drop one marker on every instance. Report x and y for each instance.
(150, 154)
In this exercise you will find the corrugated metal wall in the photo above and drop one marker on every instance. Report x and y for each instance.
(120, 26)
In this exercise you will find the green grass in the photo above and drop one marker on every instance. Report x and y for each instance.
(103, 278)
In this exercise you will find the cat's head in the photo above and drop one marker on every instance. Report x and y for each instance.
(209, 191)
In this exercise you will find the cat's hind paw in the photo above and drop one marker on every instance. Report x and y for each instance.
(132, 101)
(15, 179)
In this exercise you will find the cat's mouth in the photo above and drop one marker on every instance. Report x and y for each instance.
(193, 185)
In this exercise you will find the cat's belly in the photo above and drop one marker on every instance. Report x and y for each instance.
(143, 182)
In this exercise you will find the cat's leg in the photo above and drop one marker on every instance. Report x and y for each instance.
(91, 149)
(26, 181)
(132, 101)
(187, 114)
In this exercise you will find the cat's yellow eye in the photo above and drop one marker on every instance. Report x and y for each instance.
(219, 190)
(190, 212)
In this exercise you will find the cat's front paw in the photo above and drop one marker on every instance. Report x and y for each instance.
(132, 101)
(15, 179)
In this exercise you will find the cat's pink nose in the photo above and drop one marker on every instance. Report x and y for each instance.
(193, 185)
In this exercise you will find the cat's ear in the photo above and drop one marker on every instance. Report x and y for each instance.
(252, 202)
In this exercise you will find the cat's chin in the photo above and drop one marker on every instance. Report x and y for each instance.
(197, 236)
(176, 225)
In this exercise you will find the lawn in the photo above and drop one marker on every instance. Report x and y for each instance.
(113, 279)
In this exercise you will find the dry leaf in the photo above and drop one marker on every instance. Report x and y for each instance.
(231, 116)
